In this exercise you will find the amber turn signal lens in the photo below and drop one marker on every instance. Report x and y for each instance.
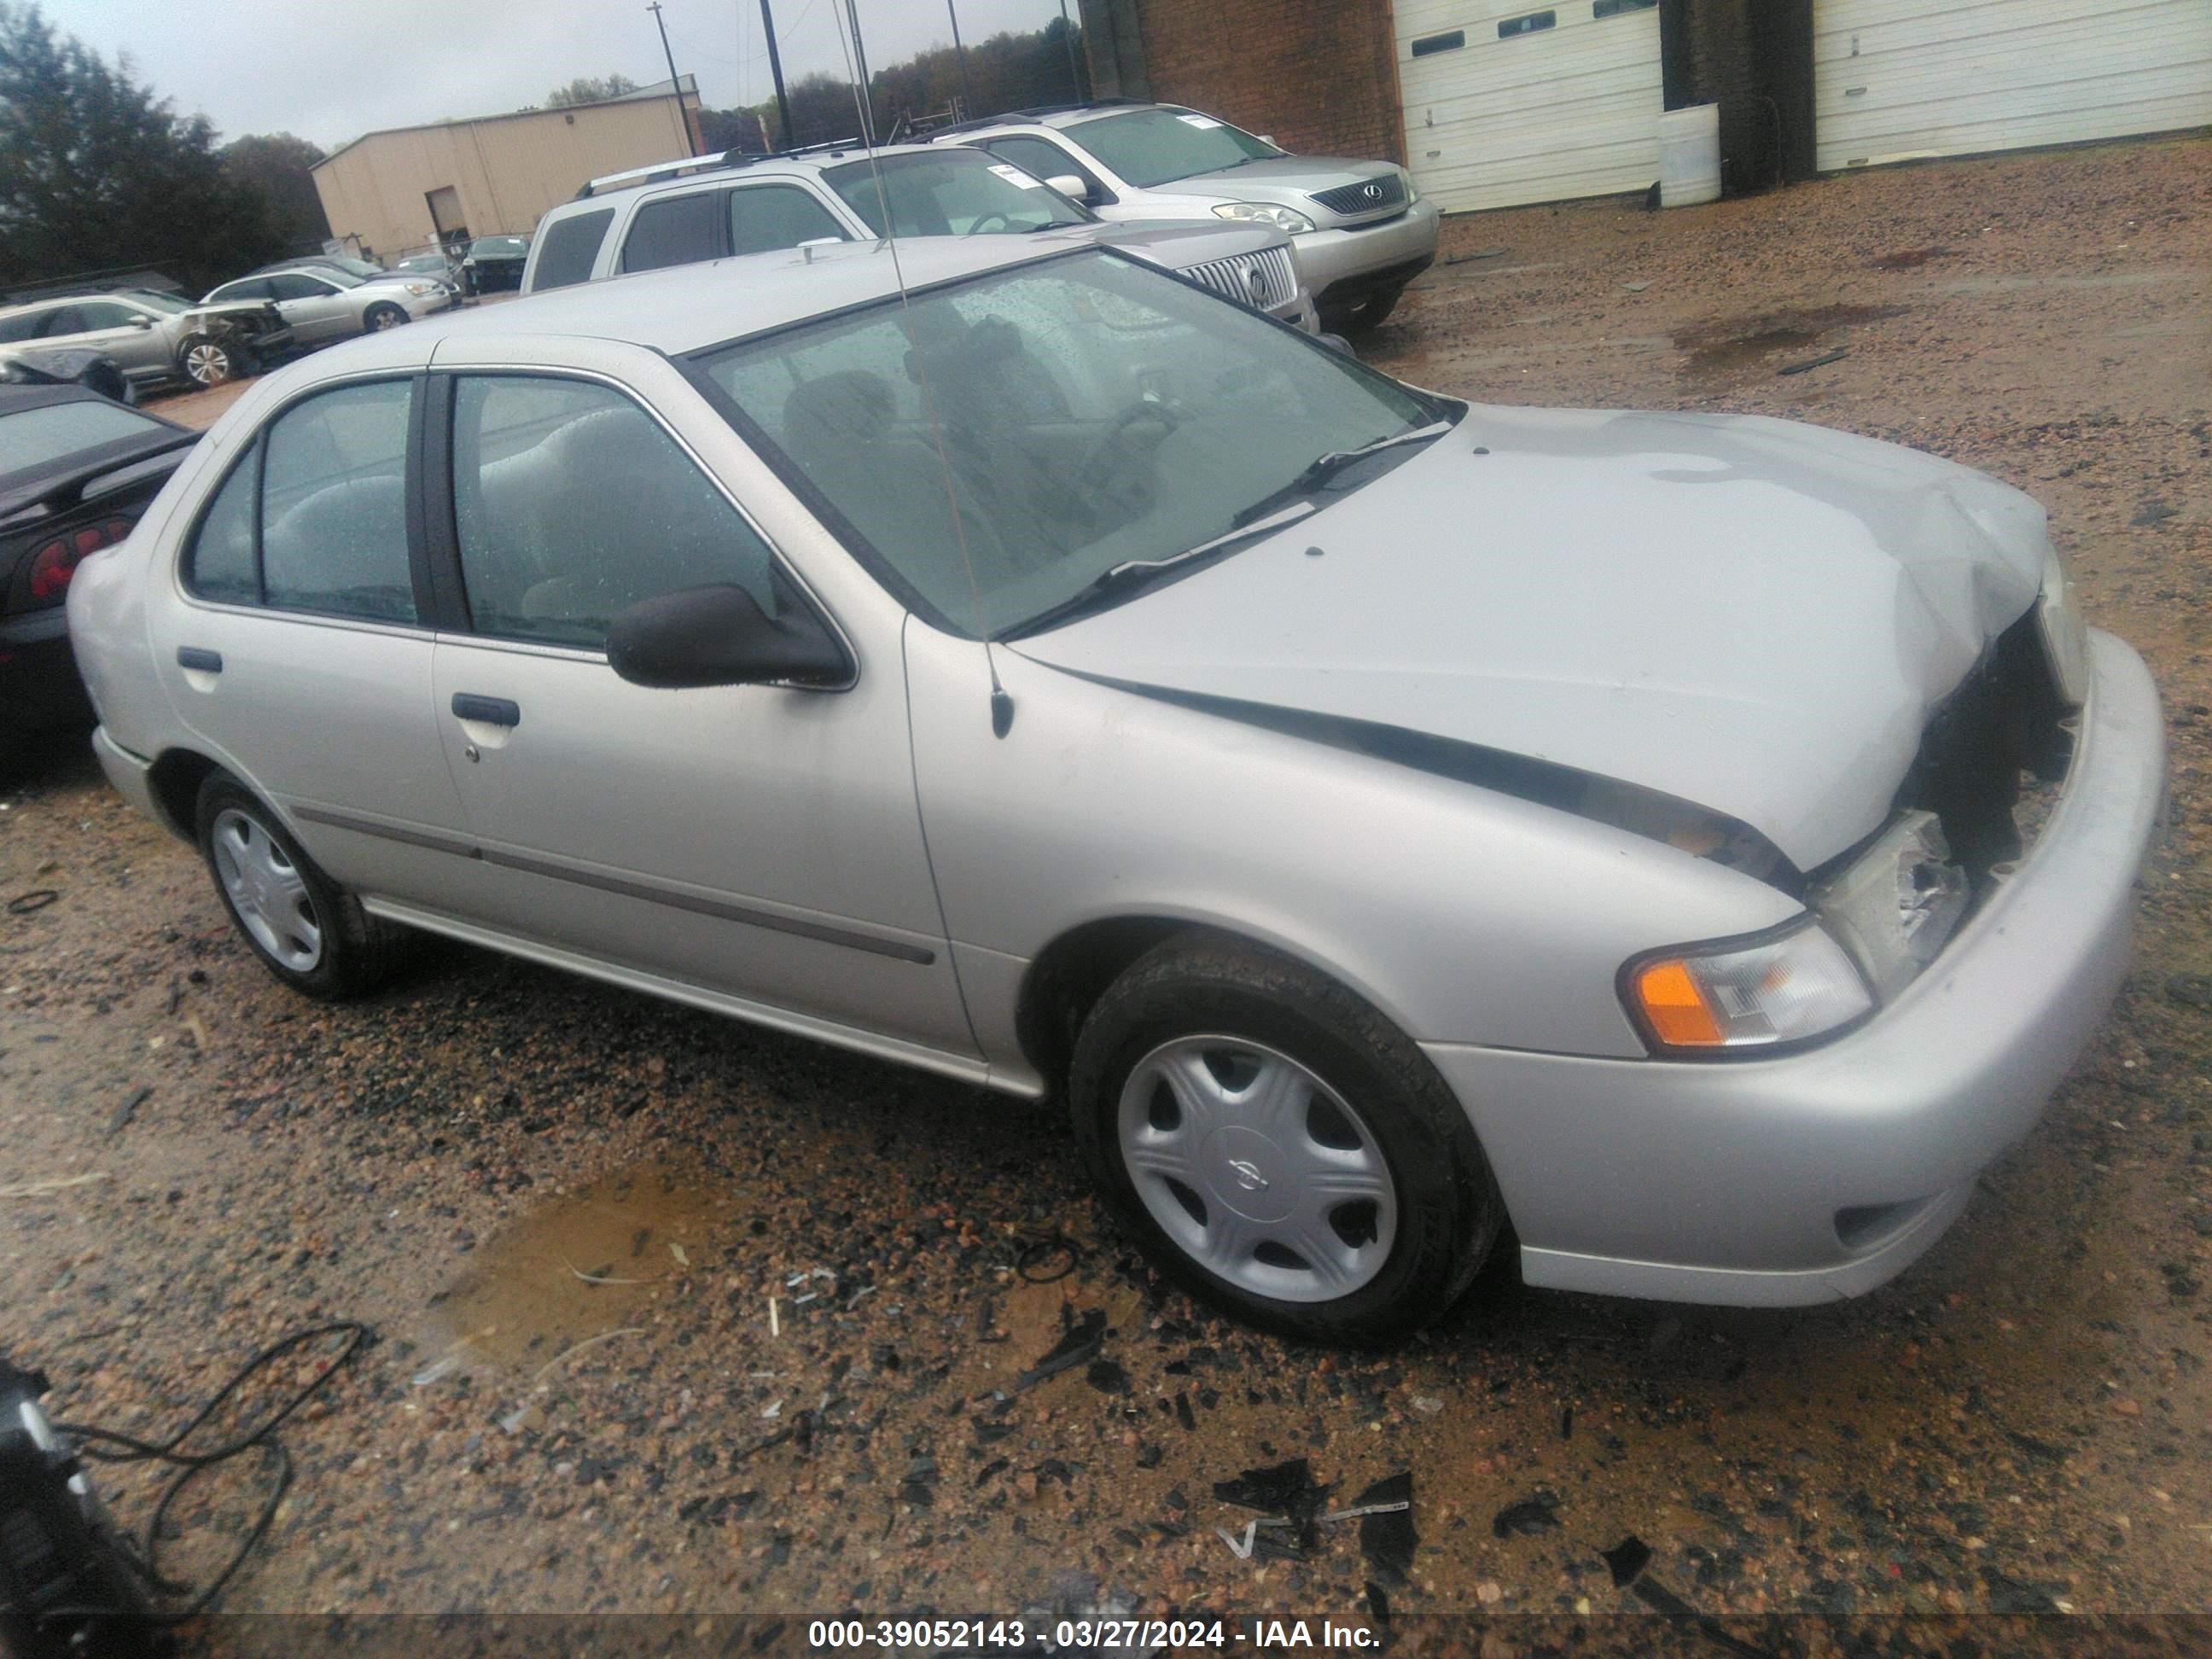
(1676, 1009)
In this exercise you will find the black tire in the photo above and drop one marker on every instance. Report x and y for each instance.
(204, 360)
(380, 316)
(1364, 315)
(359, 951)
(1450, 1210)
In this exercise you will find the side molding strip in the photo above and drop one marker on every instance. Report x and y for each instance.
(651, 892)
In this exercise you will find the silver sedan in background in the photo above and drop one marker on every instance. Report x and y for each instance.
(327, 304)
(1378, 817)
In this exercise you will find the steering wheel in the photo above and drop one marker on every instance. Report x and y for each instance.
(1004, 224)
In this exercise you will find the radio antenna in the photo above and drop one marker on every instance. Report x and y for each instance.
(1002, 706)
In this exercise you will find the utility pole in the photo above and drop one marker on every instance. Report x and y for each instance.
(959, 51)
(1067, 39)
(789, 139)
(675, 85)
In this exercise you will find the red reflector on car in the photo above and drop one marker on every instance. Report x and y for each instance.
(90, 539)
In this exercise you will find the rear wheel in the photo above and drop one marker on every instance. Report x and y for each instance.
(308, 932)
(1278, 1146)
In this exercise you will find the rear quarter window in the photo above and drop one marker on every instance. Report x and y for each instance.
(568, 247)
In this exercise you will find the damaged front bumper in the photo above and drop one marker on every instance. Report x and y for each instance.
(1823, 1174)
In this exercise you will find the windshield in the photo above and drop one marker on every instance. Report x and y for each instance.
(500, 247)
(1149, 147)
(1094, 412)
(168, 303)
(958, 193)
(422, 262)
(33, 438)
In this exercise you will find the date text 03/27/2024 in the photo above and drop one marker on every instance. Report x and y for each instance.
(1142, 1634)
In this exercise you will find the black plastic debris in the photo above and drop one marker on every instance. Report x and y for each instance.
(1285, 1489)
(1627, 1559)
(1078, 1347)
(128, 1110)
(1107, 1377)
(996, 1466)
(919, 1484)
(1567, 1422)
(1183, 1414)
(1529, 1517)
(1388, 1539)
(1839, 353)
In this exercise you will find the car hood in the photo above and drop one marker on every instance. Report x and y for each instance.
(1278, 179)
(1752, 615)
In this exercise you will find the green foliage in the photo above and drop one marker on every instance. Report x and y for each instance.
(96, 172)
(281, 166)
(587, 89)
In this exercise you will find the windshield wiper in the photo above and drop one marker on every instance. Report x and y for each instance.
(1318, 471)
(1131, 574)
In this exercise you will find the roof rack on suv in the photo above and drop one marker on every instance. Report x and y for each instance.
(1034, 113)
(696, 164)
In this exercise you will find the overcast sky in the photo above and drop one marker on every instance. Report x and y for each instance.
(332, 71)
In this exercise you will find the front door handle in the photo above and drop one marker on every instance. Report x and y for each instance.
(492, 711)
(204, 662)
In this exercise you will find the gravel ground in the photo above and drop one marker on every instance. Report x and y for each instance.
(677, 1316)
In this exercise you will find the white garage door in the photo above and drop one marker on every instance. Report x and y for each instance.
(1505, 103)
(1896, 79)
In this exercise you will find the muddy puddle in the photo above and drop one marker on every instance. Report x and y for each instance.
(578, 1268)
(1730, 345)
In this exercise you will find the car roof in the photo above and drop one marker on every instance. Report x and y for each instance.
(687, 307)
(1055, 116)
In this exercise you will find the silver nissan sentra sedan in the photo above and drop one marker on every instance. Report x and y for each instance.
(1704, 842)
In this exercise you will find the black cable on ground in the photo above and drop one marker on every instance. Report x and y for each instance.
(95, 1442)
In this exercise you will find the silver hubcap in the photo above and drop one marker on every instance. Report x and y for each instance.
(206, 364)
(267, 891)
(1257, 1169)
(384, 319)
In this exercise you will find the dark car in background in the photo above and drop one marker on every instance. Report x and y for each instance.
(494, 264)
(76, 470)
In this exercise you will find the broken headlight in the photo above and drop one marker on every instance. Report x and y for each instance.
(1894, 906)
(2065, 636)
(1745, 993)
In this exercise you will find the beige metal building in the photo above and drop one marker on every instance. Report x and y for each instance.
(407, 186)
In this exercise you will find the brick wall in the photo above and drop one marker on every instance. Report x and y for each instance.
(1316, 75)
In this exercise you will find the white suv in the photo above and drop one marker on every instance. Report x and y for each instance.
(1361, 228)
(685, 212)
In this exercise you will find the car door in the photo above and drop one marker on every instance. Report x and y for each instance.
(126, 334)
(317, 311)
(298, 652)
(760, 842)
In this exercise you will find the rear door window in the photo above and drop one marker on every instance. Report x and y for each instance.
(569, 248)
(675, 230)
(766, 217)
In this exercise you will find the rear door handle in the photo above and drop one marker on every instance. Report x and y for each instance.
(205, 662)
(492, 711)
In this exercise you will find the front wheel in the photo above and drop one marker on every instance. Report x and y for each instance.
(209, 362)
(382, 316)
(1367, 314)
(310, 934)
(1279, 1147)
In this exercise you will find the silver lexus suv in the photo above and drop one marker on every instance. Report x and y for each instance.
(684, 212)
(1361, 228)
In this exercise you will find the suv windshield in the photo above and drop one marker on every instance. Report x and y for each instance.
(1094, 414)
(1149, 147)
(958, 193)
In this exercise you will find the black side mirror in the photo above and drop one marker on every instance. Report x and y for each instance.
(719, 636)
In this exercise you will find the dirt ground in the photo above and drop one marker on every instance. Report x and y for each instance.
(679, 1316)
